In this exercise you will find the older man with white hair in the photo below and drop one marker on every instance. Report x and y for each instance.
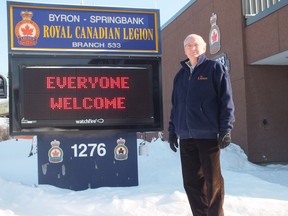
(202, 118)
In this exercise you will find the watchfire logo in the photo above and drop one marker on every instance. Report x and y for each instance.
(90, 121)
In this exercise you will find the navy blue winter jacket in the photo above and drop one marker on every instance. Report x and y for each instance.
(202, 104)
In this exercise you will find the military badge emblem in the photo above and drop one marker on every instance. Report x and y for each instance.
(121, 151)
(55, 153)
(27, 31)
(214, 35)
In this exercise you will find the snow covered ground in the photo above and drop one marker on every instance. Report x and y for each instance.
(251, 190)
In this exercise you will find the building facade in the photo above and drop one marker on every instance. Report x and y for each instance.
(251, 38)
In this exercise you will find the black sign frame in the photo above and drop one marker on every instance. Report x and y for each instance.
(20, 125)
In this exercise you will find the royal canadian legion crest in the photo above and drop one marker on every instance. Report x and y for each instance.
(214, 35)
(121, 151)
(55, 153)
(27, 31)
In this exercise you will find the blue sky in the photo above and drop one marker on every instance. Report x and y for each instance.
(166, 12)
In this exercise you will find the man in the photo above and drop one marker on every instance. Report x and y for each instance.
(202, 118)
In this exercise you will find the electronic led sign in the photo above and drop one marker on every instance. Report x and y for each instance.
(85, 93)
(96, 96)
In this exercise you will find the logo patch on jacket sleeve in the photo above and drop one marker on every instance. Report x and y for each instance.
(201, 77)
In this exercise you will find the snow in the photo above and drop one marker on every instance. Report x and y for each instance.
(250, 189)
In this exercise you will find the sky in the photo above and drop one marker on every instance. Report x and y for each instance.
(250, 189)
(166, 12)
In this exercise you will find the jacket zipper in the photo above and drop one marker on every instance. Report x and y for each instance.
(190, 75)
(191, 71)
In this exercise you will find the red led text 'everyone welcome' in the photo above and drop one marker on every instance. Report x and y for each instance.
(87, 103)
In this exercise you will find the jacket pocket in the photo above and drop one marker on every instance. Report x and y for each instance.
(209, 113)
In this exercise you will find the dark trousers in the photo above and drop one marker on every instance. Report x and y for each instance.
(202, 178)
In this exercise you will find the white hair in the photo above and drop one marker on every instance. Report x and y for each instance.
(196, 37)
